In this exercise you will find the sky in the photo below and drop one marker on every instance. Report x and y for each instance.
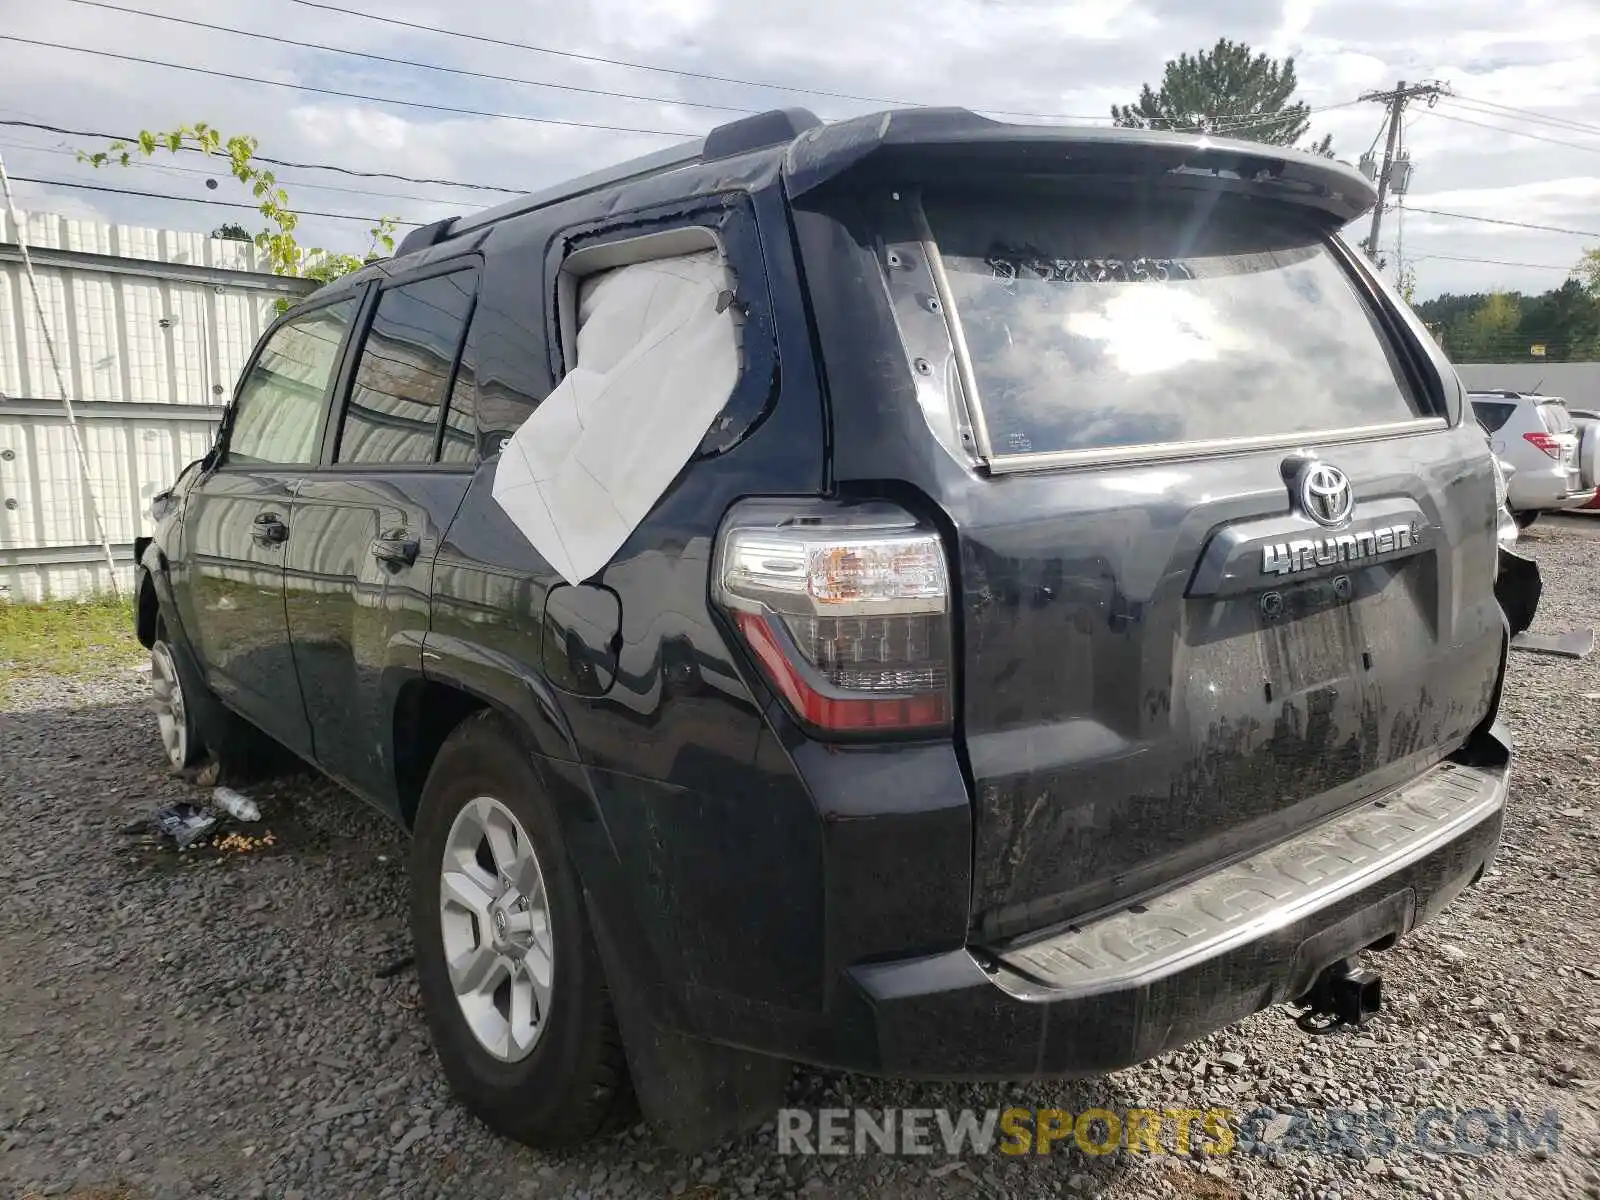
(1052, 58)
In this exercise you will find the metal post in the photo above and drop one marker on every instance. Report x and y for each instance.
(1397, 105)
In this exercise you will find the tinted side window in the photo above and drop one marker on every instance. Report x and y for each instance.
(393, 413)
(280, 404)
(460, 443)
(1492, 415)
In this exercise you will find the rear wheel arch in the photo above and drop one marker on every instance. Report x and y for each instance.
(426, 713)
(465, 678)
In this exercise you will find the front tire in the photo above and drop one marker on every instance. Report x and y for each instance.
(243, 753)
(175, 719)
(512, 986)
(1526, 517)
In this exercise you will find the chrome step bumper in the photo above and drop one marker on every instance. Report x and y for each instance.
(1207, 918)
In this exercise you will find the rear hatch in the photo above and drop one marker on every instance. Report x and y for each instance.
(1558, 422)
(1227, 567)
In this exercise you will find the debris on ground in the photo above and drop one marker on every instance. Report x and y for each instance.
(1575, 643)
(239, 843)
(394, 968)
(184, 823)
(236, 804)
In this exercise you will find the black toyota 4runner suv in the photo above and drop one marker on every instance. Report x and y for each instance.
(1037, 608)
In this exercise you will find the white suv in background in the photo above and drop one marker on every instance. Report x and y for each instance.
(1536, 435)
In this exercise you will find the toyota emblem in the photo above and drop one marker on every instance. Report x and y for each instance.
(1325, 494)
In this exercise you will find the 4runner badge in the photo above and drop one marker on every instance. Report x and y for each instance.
(1308, 554)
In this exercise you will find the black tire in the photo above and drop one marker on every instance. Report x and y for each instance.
(242, 752)
(573, 1085)
(173, 685)
(1525, 518)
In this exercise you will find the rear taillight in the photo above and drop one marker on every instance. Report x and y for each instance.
(1545, 442)
(846, 608)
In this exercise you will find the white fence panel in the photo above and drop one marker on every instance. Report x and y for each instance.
(42, 501)
(151, 328)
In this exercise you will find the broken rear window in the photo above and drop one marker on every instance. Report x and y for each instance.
(1102, 323)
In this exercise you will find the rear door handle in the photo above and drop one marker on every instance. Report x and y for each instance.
(269, 529)
(395, 548)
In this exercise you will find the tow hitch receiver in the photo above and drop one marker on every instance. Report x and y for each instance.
(1344, 994)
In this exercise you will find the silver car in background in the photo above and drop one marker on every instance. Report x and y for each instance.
(1537, 437)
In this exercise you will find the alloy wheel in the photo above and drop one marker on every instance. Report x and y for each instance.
(172, 717)
(495, 919)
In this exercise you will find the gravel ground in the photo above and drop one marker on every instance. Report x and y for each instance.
(230, 1022)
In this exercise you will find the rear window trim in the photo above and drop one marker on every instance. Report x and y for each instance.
(969, 401)
(1008, 464)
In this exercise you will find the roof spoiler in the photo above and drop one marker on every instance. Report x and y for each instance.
(934, 144)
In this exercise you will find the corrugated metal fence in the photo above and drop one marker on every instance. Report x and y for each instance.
(152, 327)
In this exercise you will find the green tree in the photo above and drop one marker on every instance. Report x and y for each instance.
(1566, 321)
(1588, 270)
(1491, 332)
(276, 240)
(231, 231)
(1408, 284)
(1227, 91)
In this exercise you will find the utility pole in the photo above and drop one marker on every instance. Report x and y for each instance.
(1396, 100)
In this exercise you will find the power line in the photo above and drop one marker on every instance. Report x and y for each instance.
(510, 43)
(299, 183)
(1526, 114)
(96, 187)
(306, 87)
(277, 162)
(1225, 123)
(1243, 121)
(1434, 212)
(407, 62)
(1493, 262)
(1522, 133)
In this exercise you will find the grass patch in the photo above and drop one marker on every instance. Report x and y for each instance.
(66, 638)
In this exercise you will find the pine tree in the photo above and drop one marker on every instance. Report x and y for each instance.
(1227, 91)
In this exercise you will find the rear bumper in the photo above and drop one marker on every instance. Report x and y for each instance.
(1541, 489)
(1121, 988)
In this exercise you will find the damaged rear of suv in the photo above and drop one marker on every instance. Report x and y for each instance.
(1223, 554)
(1075, 631)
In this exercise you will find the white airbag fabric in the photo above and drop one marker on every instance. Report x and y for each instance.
(655, 364)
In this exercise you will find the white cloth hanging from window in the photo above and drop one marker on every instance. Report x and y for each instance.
(656, 362)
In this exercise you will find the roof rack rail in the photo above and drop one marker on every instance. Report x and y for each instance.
(424, 236)
(735, 137)
(758, 132)
(636, 168)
